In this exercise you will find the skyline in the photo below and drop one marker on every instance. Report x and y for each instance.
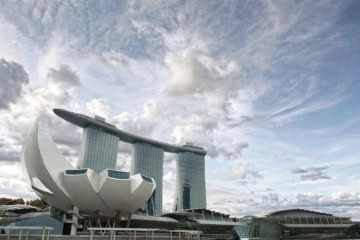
(268, 88)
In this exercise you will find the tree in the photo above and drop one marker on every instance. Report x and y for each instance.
(10, 201)
(353, 231)
(38, 203)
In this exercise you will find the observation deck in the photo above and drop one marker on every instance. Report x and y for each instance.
(84, 121)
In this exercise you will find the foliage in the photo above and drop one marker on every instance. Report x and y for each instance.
(295, 232)
(10, 201)
(213, 229)
(36, 203)
(185, 226)
(353, 231)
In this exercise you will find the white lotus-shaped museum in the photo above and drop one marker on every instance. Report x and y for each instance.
(61, 185)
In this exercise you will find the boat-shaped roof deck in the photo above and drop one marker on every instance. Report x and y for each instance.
(84, 121)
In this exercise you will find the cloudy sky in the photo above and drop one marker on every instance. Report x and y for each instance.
(270, 88)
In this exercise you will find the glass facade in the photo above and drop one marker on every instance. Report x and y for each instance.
(118, 174)
(148, 160)
(301, 216)
(190, 181)
(39, 221)
(98, 150)
(257, 228)
(76, 172)
(147, 179)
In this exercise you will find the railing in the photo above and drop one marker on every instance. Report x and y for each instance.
(217, 236)
(146, 233)
(23, 228)
(113, 234)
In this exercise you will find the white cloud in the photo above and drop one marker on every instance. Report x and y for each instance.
(310, 108)
(10, 41)
(64, 75)
(311, 173)
(17, 119)
(238, 171)
(12, 79)
(192, 72)
(141, 122)
(11, 176)
(345, 196)
(169, 178)
(113, 59)
(221, 75)
(99, 107)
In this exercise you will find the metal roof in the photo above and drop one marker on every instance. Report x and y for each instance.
(33, 214)
(84, 121)
(271, 214)
(224, 223)
(152, 218)
(346, 225)
(16, 207)
(8, 220)
(200, 210)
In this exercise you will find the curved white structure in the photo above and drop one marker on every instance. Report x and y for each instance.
(45, 165)
(109, 193)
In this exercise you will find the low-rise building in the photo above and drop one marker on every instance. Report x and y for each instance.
(291, 222)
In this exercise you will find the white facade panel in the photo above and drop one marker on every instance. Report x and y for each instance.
(44, 162)
(83, 188)
(141, 190)
(116, 193)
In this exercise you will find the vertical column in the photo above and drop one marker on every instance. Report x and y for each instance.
(190, 181)
(98, 150)
(149, 160)
(74, 221)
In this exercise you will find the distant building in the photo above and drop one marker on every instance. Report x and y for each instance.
(202, 216)
(98, 150)
(204, 220)
(149, 160)
(190, 181)
(42, 219)
(291, 222)
(24, 215)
